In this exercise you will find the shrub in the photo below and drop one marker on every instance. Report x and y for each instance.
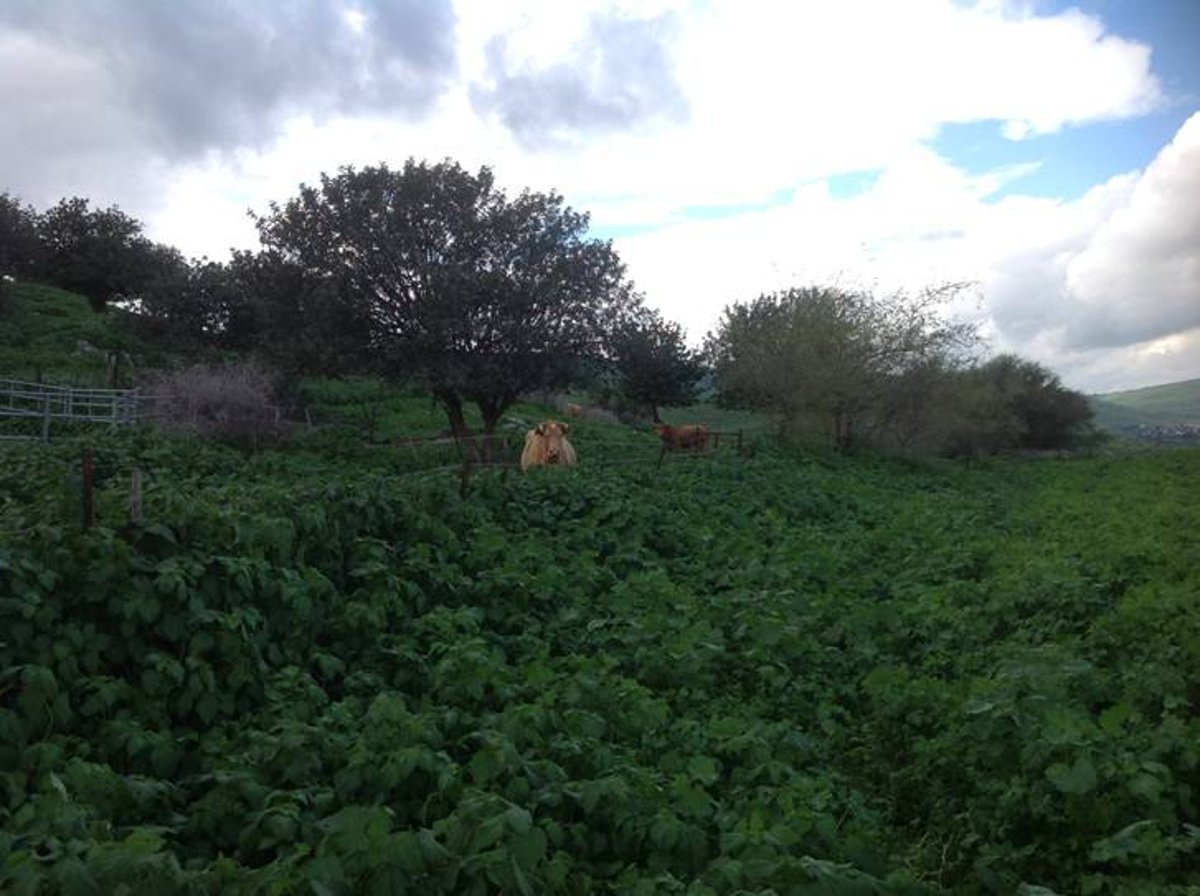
(228, 402)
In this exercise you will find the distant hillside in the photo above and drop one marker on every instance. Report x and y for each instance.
(1170, 411)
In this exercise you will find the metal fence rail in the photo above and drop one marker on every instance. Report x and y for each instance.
(46, 403)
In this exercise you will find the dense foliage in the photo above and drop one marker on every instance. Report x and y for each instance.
(835, 362)
(305, 673)
(99, 253)
(852, 369)
(18, 238)
(651, 366)
(481, 296)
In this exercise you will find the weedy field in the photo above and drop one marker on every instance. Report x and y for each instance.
(306, 672)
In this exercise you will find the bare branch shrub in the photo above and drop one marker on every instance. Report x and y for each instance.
(228, 402)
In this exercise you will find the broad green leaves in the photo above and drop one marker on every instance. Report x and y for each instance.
(775, 675)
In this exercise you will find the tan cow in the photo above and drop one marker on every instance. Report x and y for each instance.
(574, 410)
(547, 445)
(683, 438)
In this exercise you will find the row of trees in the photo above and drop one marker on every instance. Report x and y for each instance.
(894, 372)
(432, 274)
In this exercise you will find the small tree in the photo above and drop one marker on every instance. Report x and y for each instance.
(479, 296)
(824, 359)
(99, 253)
(654, 366)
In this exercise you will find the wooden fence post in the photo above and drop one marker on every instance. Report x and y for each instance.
(46, 418)
(135, 497)
(464, 478)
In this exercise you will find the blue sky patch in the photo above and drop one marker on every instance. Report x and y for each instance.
(847, 186)
(1069, 163)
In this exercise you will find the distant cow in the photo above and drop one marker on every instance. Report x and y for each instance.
(574, 410)
(547, 444)
(683, 438)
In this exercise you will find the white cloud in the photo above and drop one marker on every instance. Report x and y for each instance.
(779, 97)
(1145, 257)
(1104, 289)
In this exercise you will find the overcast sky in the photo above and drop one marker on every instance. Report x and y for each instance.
(1049, 154)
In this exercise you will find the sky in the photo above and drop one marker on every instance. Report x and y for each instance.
(1045, 154)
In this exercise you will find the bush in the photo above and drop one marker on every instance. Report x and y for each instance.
(229, 402)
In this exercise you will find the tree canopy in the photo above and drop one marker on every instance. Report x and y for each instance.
(823, 358)
(98, 253)
(480, 296)
(653, 364)
(1045, 413)
(18, 237)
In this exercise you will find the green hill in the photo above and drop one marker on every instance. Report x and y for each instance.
(1170, 407)
(53, 334)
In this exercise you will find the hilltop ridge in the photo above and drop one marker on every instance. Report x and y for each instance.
(1169, 411)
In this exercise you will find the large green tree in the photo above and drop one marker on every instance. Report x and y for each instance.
(825, 360)
(479, 295)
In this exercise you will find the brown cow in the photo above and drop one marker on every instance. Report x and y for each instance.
(683, 438)
(547, 444)
(574, 410)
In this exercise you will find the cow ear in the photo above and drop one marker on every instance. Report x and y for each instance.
(541, 429)
(565, 428)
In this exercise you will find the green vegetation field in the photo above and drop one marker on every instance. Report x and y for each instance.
(307, 672)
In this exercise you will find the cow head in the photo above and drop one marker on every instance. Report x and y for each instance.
(554, 436)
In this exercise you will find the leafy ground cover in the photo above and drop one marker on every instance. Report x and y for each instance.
(304, 672)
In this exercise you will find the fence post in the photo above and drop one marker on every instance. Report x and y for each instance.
(46, 417)
(135, 497)
(464, 478)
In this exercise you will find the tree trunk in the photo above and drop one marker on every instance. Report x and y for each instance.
(491, 411)
(454, 413)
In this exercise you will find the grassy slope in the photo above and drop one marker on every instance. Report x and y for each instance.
(56, 334)
(1153, 406)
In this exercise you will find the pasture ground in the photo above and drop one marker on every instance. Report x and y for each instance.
(307, 670)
